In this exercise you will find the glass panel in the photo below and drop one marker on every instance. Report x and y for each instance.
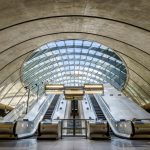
(74, 62)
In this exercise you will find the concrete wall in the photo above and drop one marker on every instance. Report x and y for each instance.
(122, 25)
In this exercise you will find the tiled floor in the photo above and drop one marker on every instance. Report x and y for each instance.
(75, 144)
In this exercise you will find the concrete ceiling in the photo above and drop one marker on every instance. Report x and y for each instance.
(122, 25)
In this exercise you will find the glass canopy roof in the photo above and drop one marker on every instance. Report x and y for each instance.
(73, 63)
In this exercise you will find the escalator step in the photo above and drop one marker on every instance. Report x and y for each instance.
(97, 108)
(50, 110)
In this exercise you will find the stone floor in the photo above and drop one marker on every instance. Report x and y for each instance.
(74, 143)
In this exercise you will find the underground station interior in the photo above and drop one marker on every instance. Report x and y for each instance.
(74, 74)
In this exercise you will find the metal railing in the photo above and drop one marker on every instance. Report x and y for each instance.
(74, 127)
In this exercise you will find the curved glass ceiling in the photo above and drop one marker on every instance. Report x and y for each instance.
(73, 63)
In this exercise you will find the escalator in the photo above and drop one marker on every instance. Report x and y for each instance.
(51, 108)
(98, 128)
(97, 108)
(49, 128)
(49, 112)
(28, 125)
(126, 123)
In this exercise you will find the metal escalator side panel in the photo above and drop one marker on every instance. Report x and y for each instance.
(141, 129)
(7, 130)
(98, 130)
(49, 130)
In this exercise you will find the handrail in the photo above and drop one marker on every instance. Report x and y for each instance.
(74, 119)
(105, 103)
(140, 119)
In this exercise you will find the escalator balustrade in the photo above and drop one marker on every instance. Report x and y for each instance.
(99, 128)
(48, 129)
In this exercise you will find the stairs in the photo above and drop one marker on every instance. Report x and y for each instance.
(50, 110)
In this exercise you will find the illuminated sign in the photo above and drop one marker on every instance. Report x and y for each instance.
(72, 92)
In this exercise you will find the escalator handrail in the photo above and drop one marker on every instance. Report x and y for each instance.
(106, 104)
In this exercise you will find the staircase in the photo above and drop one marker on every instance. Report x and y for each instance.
(50, 110)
